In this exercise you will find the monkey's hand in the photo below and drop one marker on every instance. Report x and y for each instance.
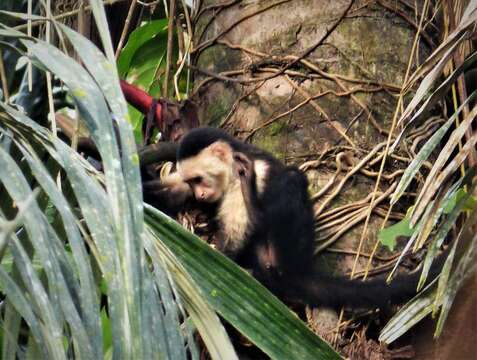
(169, 194)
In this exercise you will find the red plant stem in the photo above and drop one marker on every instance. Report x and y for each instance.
(141, 100)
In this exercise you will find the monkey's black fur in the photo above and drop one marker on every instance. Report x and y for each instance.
(279, 248)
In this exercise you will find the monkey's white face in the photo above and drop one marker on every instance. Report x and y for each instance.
(209, 173)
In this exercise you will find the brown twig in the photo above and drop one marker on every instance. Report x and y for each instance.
(309, 64)
(127, 24)
(375, 271)
(237, 102)
(279, 116)
(355, 220)
(243, 48)
(217, 8)
(170, 37)
(209, 42)
(65, 15)
(277, 72)
(339, 211)
(431, 122)
(225, 76)
(329, 226)
(404, 16)
(348, 175)
(334, 124)
(69, 127)
(323, 38)
(332, 180)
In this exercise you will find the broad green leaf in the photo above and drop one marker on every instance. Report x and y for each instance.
(416, 231)
(141, 62)
(388, 236)
(206, 321)
(148, 66)
(147, 72)
(51, 253)
(137, 39)
(239, 298)
(11, 324)
(450, 203)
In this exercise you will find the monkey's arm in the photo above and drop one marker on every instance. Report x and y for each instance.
(168, 194)
(288, 218)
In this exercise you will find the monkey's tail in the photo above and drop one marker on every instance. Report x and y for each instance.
(335, 292)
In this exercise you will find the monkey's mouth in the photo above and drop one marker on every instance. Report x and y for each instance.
(210, 198)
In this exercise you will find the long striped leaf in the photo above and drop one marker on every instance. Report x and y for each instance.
(239, 298)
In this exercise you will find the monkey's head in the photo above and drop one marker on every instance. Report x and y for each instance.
(205, 161)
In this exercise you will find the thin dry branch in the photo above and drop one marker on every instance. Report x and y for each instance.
(217, 8)
(65, 15)
(237, 102)
(332, 180)
(347, 176)
(309, 64)
(427, 39)
(209, 42)
(334, 124)
(127, 24)
(355, 220)
(170, 37)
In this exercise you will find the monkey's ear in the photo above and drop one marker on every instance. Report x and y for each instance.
(221, 150)
(242, 164)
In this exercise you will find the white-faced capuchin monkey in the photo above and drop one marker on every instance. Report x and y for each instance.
(266, 221)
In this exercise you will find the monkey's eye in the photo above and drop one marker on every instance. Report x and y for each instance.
(195, 180)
